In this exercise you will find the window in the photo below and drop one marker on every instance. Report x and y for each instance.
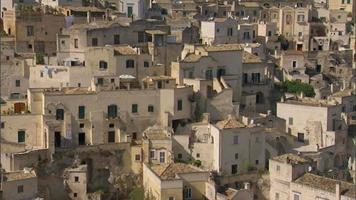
(116, 39)
(162, 157)
(76, 179)
(17, 83)
(129, 11)
(269, 33)
(187, 193)
(94, 42)
(180, 105)
(300, 18)
(134, 135)
(29, 46)
(152, 154)
(137, 157)
(81, 125)
(256, 162)
(245, 78)
(100, 81)
(59, 114)
(103, 65)
(290, 120)
(76, 43)
(150, 108)
(217, 30)
(233, 169)
(300, 34)
(276, 196)
(294, 63)
(180, 156)
(134, 108)
(171, 198)
(81, 112)
(29, 30)
(288, 19)
(246, 36)
(229, 31)
(257, 140)
(198, 155)
(141, 36)
(236, 139)
(146, 64)
(2, 124)
(21, 136)
(20, 189)
(209, 74)
(112, 80)
(296, 197)
(111, 125)
(75, 194)
(256, 77)
(255, 13)
(112, 111)
(236, 156)
(130, 63)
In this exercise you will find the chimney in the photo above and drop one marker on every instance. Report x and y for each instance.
(343, 84)
(246, 185)
(206, 118)
(332, 88)
(88, 17)
(337, 191)
(302, 95)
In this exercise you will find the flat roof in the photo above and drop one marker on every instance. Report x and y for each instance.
(292, 159)
(18, 175)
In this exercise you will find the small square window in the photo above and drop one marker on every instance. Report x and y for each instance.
(152, 154)
(137, 157)
(81, 125)
(111, 125)
(76, 179)
(134, 108)
(198, 155)
(180, 156)
(290, 120)
(150, 108)
(257, 162)
(17, 83)
(236, 139)
(146, 64)
(20, 189)
(236, 156)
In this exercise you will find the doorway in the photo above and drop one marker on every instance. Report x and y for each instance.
(111, 136)
(57, 139)
(19, 107)
(129, 11)
(81, 138)
(300, 137)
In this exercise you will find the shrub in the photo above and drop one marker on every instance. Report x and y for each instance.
(39, 59)
(297, 87)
